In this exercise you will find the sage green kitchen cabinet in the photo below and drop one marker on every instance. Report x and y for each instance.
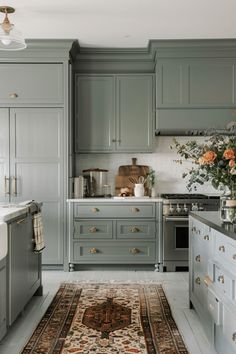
(113, 233)
(3, 297)
(195, 83)
(114, 113)
(31, 83)
(32, 164)
(23, 266)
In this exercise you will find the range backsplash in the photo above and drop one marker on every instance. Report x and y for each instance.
(168, 172)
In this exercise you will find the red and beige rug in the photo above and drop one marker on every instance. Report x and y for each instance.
(107, 318)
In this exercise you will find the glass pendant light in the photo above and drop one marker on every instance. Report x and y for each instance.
(10, 38)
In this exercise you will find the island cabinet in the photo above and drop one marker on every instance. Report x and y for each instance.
(113, 233)
(213, 279)
(114, 113)
(3, 298)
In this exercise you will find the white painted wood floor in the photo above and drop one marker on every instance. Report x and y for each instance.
(175, 286)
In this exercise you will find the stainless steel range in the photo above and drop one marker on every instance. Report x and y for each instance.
(176, 208)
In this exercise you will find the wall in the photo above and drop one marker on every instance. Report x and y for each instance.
(168, 173)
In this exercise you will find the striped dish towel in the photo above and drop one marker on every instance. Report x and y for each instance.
(38, 232)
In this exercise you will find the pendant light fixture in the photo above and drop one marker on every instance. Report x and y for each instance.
(10, 38)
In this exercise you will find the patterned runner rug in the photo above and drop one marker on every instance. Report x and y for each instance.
(107, 318)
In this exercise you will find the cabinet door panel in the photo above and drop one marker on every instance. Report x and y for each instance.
(95, 114)
(134, 113)
(31, 83)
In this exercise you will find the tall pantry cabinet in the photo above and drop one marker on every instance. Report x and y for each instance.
(34, 118)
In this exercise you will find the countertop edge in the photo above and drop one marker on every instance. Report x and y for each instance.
(115, 200)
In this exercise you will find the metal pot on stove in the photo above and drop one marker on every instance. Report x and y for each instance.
(96, 179)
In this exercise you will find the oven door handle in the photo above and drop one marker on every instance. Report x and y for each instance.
(175, 219)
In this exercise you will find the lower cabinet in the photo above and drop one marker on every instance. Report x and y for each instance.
(3, 297)
(23, 266)
(128, 234)
(213, 284)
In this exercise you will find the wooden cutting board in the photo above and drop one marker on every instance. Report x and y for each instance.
(134, 169)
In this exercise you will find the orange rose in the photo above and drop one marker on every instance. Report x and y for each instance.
(232, 163)
(209, 157)
(201, 161)
(229, 154)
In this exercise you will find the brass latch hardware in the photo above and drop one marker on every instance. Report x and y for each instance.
(198, 258)
(135, 210)
(198, 280)
(95, 210)
(222, 248)
(93, 229)
(134, 250)
(134, 229)
(93, 250)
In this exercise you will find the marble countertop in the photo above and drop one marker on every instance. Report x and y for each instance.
(115, 199)
(212, 219)
(11, 211)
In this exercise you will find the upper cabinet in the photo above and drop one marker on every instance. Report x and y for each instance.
(114, 113)
(31, 83)
(196, 83)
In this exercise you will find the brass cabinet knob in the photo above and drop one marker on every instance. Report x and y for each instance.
(134, 229)
(198, 258)
(234, 257)
(13, 95)
(221, 279)
(134, 250)
(93, 250)
(194, 228)
(135, 210)
(94, 210)
(198, 280)
(234, 337)
(93, 229)
(222, 248)
(206, 238)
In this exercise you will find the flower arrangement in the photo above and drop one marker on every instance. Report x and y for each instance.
(214, 160)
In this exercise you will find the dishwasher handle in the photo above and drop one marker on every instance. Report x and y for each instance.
(175, 218)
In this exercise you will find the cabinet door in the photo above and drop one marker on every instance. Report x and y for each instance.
(95, 113)
(4, 155)
(37, 169)
(134, 126)
(31, 83)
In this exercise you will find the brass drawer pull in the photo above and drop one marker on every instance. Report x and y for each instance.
(93, 250)
(134, 250)
(93, 229)
(135, 210)
(234, 337)
(193, 229)
(94, 210)
(134, 229)
(13, 95)
(206, 237)
(21, 221)
(221, 279)
(198, 280)
(222, 248)
(198, 258)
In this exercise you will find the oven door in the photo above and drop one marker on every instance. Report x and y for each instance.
(176, 239)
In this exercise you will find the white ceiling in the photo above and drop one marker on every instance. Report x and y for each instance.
(124, 23)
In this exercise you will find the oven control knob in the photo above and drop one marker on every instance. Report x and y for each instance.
(194, 207)
(185, 208)
(178, 208)
(171, 209)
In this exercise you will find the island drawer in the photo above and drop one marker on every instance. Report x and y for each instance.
(116, 252)
(114, 210)
(135, 229)
(93, 229)
(225, 251)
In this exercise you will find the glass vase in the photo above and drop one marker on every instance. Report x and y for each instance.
(228, 206)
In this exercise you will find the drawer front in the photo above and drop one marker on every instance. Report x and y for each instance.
(136, 229)
(31, 83)
(124, 210)
(225, 251)
(224, 282)
(214, 307)
(93, 229)
(114, 252)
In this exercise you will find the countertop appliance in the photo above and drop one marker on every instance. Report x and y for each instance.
(96, 182)
(176, 208)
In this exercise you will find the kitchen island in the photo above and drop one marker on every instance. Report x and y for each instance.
(212, 275)
(118, 230)
(20, 267)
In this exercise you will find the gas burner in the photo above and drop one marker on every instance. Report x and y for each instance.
(184, 196)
